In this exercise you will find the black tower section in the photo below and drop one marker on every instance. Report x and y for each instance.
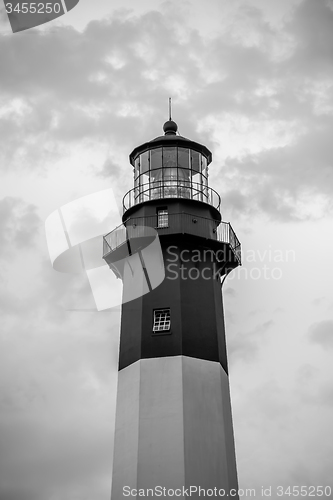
(171, 195)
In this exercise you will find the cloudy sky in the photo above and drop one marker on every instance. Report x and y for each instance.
(253, 81)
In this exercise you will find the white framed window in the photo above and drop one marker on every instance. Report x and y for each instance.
(162, 218)
(162, 320)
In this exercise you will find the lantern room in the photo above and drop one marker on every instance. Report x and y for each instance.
(171, 166)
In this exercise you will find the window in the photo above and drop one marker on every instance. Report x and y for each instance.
(144, 162)
(156, 159)
(162, 217)
(162, 320)
(196, 161)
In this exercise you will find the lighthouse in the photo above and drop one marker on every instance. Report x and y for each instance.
(173, 433)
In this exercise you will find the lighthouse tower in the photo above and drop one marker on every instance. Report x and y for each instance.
(173, 418)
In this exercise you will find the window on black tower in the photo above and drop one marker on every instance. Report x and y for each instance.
(162, 217)
(162, 320)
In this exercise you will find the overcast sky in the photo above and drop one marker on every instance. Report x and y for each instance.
(253, 81)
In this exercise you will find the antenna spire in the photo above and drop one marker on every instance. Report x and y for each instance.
(170, 127)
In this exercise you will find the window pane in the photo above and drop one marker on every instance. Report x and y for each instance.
(136, 171)
(169, 157)
(198, 187)
(183, 158)
(156, 158)
(195, 157)
(144, 163)
(137, 167)
(144, 191)
(204, 165)
(197, 178)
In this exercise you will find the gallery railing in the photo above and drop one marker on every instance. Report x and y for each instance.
(174, 223)
(171, 189)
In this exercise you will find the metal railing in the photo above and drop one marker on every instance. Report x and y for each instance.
(171, 189)
(114, 239)
(226, 234)
(176, 223)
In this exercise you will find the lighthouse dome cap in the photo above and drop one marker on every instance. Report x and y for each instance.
(170, 127)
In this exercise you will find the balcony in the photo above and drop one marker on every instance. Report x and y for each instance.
(182, 223)
(171, 189)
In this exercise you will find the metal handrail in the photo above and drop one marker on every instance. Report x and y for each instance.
(171, 189)
(179, 222)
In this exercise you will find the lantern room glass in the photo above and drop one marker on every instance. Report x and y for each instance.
(170, 172)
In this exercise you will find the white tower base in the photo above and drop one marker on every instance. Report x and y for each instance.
(173, 428)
